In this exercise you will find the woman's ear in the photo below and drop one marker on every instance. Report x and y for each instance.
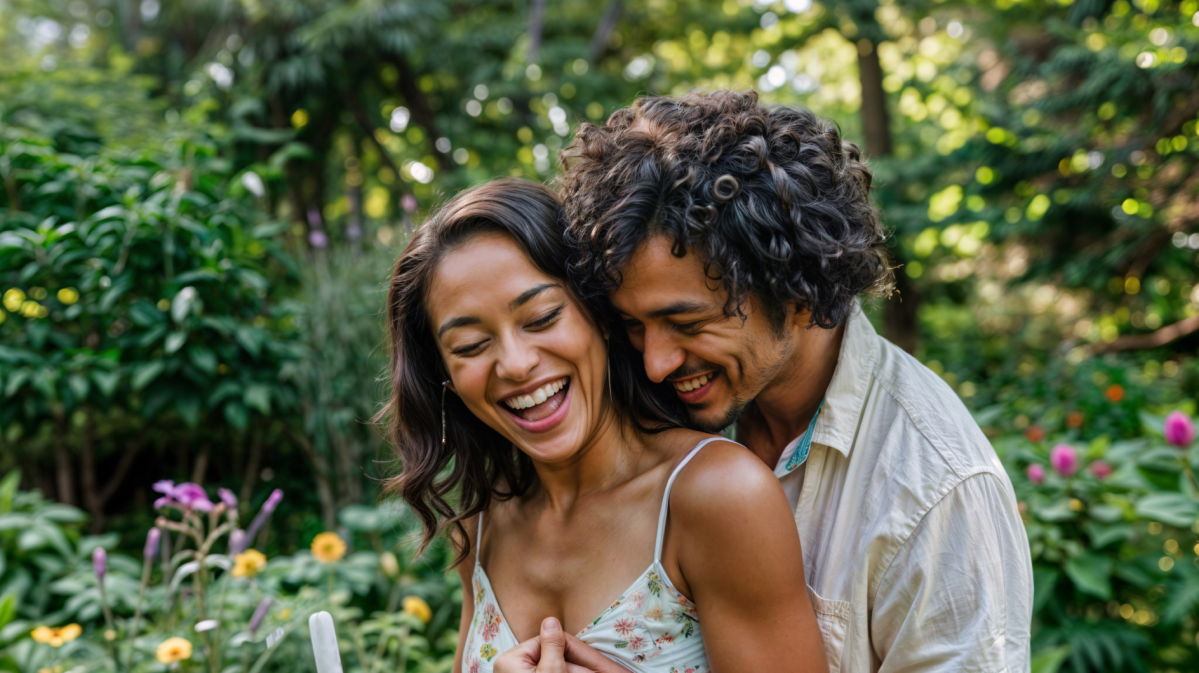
(449, 385)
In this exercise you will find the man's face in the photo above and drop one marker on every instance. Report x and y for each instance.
(675, 316)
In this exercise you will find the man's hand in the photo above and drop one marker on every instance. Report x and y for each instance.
(553, 651)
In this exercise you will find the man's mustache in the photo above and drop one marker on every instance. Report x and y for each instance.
(690, 370)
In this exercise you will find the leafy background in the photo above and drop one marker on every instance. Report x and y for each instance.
(201, 202)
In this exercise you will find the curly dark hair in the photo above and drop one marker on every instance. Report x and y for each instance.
(771, 198)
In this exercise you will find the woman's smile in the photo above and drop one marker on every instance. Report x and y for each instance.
(541, 409)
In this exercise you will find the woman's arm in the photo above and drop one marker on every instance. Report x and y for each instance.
(734, 540)
(466, 571)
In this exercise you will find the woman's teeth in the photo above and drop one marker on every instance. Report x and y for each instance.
(692, 384)
(538, 396)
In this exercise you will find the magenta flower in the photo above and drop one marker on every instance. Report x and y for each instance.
(259, 614)
(268, 507)
(100, 563)
(1101, 469)
(1036, 474)
(227, 497)
(151, 548)
(1179, 429)
(186, 496)
(1064, 459)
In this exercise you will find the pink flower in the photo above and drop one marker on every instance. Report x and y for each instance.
(1179, 429)
(185, 496)
(1036, 474)
(625, 626)
(638, 643)
(1064, 459)
(1101, 469)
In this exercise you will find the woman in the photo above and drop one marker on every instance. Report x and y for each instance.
(578, 491)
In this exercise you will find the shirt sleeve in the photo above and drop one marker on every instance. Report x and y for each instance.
(958, 595)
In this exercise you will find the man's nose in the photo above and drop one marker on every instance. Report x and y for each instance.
(662, 356)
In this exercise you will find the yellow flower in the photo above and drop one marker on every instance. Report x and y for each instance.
(283, 614)
(418, 608)
(13, 299)
(390, 564)
(56, 637)
(328, 547)
(68, 295)
(174, 649)
(248, 563)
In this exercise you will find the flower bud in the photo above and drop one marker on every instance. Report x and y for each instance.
(100, 563)
(227, 497)
(272, 501)
(1064, 459)
(1036, 474)
(259, 614)
(389, 564)
(1101, 469)
(151, 548)
(1179, 429)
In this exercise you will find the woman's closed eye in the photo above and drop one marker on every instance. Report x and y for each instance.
(545, 320)
(468, 349)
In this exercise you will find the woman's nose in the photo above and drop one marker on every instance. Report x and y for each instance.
(517, 359)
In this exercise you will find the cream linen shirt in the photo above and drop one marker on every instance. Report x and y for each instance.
(914, 552)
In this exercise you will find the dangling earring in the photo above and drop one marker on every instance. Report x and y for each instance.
(444, 385)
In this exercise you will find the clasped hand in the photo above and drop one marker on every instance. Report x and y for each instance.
(555, 651)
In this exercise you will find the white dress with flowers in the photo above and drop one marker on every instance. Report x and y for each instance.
(651, 628)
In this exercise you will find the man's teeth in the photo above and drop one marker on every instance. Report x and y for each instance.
(692, 384)
(537, 396)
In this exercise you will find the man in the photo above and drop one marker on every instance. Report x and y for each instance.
(734, 241)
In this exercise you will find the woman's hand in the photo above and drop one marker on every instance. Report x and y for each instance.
(553, 651)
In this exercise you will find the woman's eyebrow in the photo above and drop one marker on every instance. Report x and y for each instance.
(529, 294)
(461, 321)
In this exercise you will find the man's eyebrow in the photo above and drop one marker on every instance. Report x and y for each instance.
(461, 321)
(529, 294)
(678, 307)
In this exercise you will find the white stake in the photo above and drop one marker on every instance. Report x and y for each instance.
(324, 643)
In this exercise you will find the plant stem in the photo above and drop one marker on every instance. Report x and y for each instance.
(137, 611)
(112, 647)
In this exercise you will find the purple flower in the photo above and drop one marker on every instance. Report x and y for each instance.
(151, 549)
(186, 496)
(227, 497)
(1036, 474)
(318, 239)
(237, 539)
(1179, 429)
(1101, 469)
(259, 614)
(100, 563)
(1064, 459)
(268, 507)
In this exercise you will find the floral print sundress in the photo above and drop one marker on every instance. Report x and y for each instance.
(650, 628)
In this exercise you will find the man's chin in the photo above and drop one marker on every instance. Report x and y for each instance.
(712, 420)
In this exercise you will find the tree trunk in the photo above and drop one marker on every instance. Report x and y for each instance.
(603, 32)
(320, 473)
(536, 17)
(418, 104)
(64, 471)
(901, 324)
(253, 464)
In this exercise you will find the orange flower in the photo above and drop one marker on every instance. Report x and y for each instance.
(56, 637)
(173, 649)
(1114, 392)
(328, 547)
(418, 608)
(1034, 434)
(1074, 419)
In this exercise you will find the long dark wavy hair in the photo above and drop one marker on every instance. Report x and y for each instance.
(771, 198)
(476, 463)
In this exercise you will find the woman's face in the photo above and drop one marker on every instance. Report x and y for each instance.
(521, 352)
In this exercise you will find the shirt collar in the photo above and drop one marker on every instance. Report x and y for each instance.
(846, 395)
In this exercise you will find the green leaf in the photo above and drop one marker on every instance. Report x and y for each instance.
(1091, 574)
(258, 396)
(237, 415)
(1106, 512)
(1058, 511)
(145, 373)
(1174, 509)
(188, 407)
(1102, 536)
(203, 358)
(175, 341)
(105, 381)
(8, 610)
(78, 385)
(1050, 660)
(1044, 582)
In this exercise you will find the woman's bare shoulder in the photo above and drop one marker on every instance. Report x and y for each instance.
(725, 482)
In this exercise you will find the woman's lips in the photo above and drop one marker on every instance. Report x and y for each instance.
(544, 416)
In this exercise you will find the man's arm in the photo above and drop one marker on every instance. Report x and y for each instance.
(958, 595)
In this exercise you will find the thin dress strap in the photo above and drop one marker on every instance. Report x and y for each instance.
(479, 540)
(666, 496)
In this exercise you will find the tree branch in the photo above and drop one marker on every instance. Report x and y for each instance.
(369, 127)
(1137, 342)
(320, 468)
(536, 16)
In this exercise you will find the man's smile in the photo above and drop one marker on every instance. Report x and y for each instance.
(693, 388)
